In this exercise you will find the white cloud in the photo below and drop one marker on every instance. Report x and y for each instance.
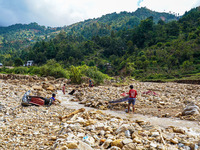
(60, 12)
(174, 6)
(197, 3)
(65, 12)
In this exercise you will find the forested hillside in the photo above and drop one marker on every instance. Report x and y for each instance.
(122, 45)
(115, 22)
(149, 50)
(14, 38)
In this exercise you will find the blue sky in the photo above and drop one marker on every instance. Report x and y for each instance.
(65, 12)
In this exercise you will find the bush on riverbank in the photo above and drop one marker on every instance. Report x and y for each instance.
(77, 72)
(94, 73)
(54, 69)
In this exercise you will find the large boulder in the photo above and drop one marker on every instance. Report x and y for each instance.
(191, 110)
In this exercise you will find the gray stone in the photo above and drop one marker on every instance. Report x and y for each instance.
(127, 133)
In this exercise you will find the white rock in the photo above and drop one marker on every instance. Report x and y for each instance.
(70, 137)
(89, 140)
(91, 127)
(154, 134)
(96, 137)
(74, 126)
(65, 125)
(84, 146)
(127, 141)
(80, 135)
(115, 148)
(122, 128)
(102, 132)
(100, 126)
(80, 120)
(153, 144)
(113, 120)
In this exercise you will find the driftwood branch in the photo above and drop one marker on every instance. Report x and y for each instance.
(71, 114)
(162, 139)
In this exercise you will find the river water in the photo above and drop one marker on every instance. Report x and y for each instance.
(191, 127)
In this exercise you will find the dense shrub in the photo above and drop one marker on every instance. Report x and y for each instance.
(20, 70)
(75, 74)
(4, 69)
(52, 68)
(34, 70)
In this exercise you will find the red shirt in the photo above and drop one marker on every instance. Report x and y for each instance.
(132, 93)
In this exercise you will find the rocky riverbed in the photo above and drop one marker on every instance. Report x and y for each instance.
(36, 127)
(157, 99)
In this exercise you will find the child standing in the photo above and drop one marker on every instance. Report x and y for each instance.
(132, 98)
(63, 89)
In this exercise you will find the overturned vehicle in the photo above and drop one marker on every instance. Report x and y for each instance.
(28, 100)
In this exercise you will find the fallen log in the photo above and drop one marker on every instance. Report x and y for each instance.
(71, 114)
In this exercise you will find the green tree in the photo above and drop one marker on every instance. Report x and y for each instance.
(187, 65)
(130, 68)
(75, 74)
(18, 62)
